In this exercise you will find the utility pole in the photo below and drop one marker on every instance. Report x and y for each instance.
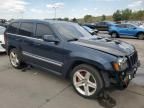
(55, 10)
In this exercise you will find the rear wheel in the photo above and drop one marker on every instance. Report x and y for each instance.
(86, 81)
(114, 35)
(15, 59)
(140, 36)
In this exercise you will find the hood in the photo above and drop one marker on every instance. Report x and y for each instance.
(140, 28)
(111, 46)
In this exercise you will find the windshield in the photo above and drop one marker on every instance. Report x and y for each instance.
(71, 30)
(2, 29)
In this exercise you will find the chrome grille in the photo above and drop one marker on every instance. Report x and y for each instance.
(133, 58)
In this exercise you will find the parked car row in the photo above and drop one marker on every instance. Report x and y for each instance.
(68, 50)
(118, 30)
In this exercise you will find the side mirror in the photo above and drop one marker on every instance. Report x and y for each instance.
(50, 38)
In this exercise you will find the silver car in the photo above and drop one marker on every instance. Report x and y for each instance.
(2, 42)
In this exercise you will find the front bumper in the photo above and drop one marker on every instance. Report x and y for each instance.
(123, 78)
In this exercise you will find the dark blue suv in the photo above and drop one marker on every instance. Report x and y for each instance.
(68, 50)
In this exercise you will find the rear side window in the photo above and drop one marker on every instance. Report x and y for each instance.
(13, 28)
(121, 25)
(130, 26)
(42, 30)
(26, 29)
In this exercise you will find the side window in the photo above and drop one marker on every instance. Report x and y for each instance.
(100, 23)
(42, 30)
(130, 26)
(26, 29)
(105, 24)
(13, 28)
(122, 26)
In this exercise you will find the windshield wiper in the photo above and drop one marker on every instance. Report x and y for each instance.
(73, 39)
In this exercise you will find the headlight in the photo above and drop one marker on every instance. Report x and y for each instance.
(120, 64)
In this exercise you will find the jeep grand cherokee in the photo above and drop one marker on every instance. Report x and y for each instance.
(66, 49)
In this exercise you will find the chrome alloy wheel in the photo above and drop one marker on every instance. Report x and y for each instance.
(114, 35)
(141, 36)
(13, 59)
(84, 82)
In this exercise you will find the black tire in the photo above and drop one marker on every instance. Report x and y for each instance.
(19, 64)
(140, 36)
(114, 35)
(96, 75)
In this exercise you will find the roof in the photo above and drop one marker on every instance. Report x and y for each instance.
(40, 21)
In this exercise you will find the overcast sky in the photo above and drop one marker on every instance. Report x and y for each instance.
(39, 9)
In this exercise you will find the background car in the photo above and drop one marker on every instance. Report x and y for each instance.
(104, 26)
(128, 30)
(100, 26)
(2, 49)
(142, 26)
(91, 31)
(90, 25)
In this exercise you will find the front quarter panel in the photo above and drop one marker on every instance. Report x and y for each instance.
(94, 57)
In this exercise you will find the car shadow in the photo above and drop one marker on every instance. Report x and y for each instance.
(2, 53)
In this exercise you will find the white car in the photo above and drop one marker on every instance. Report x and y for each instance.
(2, 42)
(141, 26)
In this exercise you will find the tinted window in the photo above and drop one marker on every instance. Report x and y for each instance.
(42, 30)
(13, 28)
(121, 25)
(26, 29)
(100, 23)
(130, 26)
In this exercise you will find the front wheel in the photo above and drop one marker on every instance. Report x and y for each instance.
(87, 81)
(140, 36)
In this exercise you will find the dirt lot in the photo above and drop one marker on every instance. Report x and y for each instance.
(38, 89)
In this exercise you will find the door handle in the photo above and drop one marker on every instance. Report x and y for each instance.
(17, 39)
(37, 44)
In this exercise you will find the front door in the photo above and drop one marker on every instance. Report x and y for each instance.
(49, 55)
(132, 31)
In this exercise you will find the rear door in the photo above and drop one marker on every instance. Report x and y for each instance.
(12, 35)
(26, 31)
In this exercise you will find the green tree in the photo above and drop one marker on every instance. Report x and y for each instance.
(66, 19)
(126, 14)
(74, 20)
(103, 18)
(88, 18)
(60, 19)
(117, 16)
